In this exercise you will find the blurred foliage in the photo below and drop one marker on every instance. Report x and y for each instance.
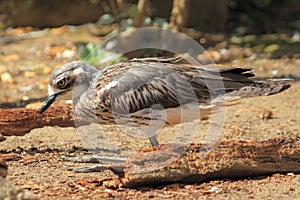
(263, 16)
(106, 19)
(10, 5)
(277, 44)
(246, 18)
(268, 39)
(96, 55)
(127, 19)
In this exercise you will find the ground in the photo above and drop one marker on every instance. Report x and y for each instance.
(35, 160)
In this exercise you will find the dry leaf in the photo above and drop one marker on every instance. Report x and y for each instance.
(36, 105)
(31, 185)
(56, 31)
(10, 58)
(29, 74)
(55, 51)
(19, 31)
(265, 114)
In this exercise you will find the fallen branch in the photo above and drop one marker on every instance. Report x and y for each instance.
(234, 159)
(175, 162)
(18, 122)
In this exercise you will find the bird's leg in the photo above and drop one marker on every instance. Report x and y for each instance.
(153, 140)
(151, 137)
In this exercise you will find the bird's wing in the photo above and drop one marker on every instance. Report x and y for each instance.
(139, 86)
(132, 86)
(228, 78)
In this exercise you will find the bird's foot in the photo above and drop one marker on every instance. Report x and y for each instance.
(89, 169)
(94, 159)
(105, 163)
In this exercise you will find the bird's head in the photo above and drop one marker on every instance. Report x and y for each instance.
(65, 78)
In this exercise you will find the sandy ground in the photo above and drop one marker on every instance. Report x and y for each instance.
(36, 162)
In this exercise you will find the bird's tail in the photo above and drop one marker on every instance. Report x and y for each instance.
(261, 88)
(257, 88)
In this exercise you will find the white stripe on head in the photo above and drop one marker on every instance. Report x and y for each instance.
(78, 71)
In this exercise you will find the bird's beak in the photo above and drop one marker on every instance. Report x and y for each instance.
(49, 100)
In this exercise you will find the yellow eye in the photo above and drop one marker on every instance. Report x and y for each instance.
(61, 83)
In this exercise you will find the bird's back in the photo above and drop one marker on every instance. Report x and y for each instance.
(132, 86)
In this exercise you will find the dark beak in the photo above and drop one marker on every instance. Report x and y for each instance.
(50, 99)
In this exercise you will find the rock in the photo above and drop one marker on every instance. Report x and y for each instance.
(3, 168)
(6, 77)
(10, 191)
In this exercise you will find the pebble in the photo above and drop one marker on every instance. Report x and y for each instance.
(6, 77)
(68, 54)
(25, 88)
(29, 74)
(265, 114)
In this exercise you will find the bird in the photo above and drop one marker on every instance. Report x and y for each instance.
(149, 92)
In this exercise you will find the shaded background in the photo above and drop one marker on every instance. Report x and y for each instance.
(247, 16)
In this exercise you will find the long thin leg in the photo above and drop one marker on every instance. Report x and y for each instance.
(151, 137)
(153, 140)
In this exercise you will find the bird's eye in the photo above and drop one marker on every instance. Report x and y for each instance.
(61, 84)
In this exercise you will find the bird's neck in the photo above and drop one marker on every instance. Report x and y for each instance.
(84, 89)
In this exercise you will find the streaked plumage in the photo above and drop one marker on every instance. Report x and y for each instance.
(129, 92)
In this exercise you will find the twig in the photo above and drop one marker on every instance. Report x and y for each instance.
(18, 122)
